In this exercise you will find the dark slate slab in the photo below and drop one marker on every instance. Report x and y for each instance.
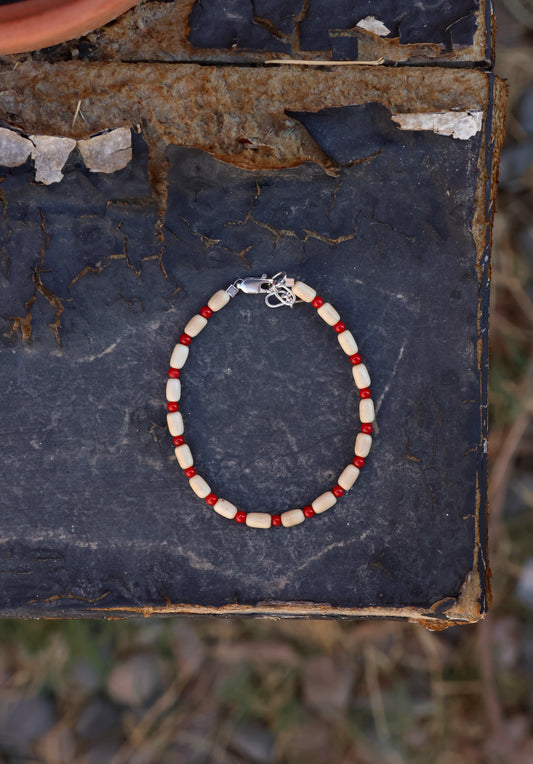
(96, 515)
(448, 32)
(268, 25)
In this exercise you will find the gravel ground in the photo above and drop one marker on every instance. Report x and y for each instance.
(234, 691)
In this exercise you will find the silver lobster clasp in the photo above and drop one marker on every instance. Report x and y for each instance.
(254, 284)
(277, 289)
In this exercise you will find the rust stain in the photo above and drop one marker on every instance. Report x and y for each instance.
(68, 596)
(219, 109)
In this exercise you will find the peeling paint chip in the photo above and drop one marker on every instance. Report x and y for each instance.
(457, 124)
(14, 149)
(372, 24)
(108, 152)
(49, 154)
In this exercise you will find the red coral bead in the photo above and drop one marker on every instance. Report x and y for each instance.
(211, 499)
(172, 406)
(206, 312)
(339, 327)
(240, 517)
(358, 462)
(173, 373)
(367, 428)
(337, 491)
(355, 359)
(179, 440)
(365, 392)
(190, 472)
(317, 302)
(308, 511)
(276, 520)
(185, 339)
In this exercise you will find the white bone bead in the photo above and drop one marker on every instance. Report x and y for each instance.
(175, 423)
(179, 356)
(173, 390)
(329, 314)
(323, 502)
(199, 486)
(184, 456)
(347, 342)
(363, 444)
(304, 292)
(225, 508)
(258, 520)
(218, 300)
(366, 410)
(361, 376)
(292, 517)
(195, 325)
(348, 477)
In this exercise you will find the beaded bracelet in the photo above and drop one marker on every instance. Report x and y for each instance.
(279, 291)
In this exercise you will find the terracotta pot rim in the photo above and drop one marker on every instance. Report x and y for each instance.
(33, 24)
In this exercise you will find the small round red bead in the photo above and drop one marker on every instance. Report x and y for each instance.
(339, 327)
(240, 517)
(308, 511)
(366, 428)
(206, 312)
(358, 462)
(365, 392)
(173, 373)
(355, 359)
(178, 440)
(317, 302)
(337, 491)
(276, 520)
(190, 472)
(185, 339)
(211, 499)
(172, 406)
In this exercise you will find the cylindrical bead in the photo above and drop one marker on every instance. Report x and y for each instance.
(179, 356)
(184, 456)
(361, 376)
(348, 477)
(347, 342)
(218, 300)
(329, 314)
(225, 508)
(366, 410)
(258, 519)
(323, 502)
(175, 423)
(173, 390)
(195, 325)
(363, 444)
(199, 486)
(304, 292)
(292, 517)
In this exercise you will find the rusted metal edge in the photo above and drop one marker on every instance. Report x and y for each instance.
(482, 221)
(443, 614)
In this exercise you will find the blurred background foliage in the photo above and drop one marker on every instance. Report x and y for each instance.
(231, 691)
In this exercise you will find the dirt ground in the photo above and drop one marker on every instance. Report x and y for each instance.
(228, 691)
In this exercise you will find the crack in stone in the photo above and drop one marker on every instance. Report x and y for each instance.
(24, 324)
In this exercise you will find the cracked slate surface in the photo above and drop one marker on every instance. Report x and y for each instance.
(257, 30)
(270, 25)
(94, 507)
